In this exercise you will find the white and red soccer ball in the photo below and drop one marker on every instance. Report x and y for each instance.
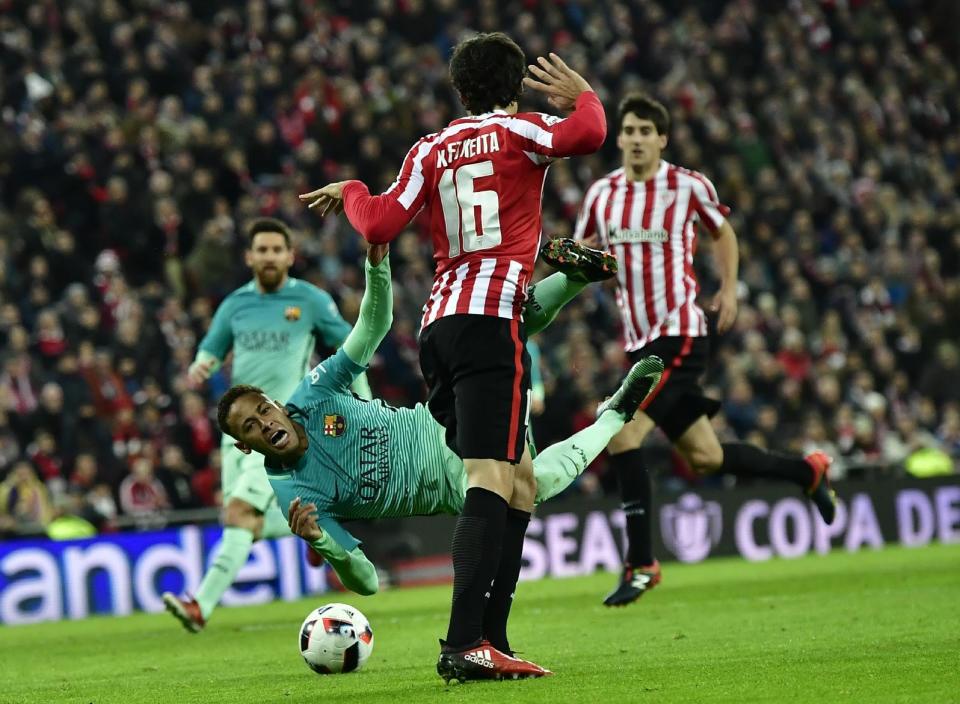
(335, 638)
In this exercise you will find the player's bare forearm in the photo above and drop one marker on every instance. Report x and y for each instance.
(376, 253)
(727, 255)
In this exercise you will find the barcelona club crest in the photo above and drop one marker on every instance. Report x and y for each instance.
(334, 425)
(292, 313)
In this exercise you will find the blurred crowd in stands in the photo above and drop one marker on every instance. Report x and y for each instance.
(139, 136)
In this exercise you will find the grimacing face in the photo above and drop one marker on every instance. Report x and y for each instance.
(270, 259)
(262, 425)
(640, 143)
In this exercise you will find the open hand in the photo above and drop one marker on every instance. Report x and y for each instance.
(303, 520)
(328, 199)
(558, 81)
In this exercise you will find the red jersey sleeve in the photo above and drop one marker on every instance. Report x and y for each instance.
(586, 226)
(582, 132)
(711, 211)
(381, 218)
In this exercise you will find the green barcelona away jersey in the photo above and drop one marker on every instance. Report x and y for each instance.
(365, 459)
(274, 334)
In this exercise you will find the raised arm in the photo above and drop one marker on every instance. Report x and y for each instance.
(585, 129)
(331, 329)
(376, 308)
(378, 218)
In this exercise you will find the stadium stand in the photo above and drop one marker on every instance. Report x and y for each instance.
(139, 136)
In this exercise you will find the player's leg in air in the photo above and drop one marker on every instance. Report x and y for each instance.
(557, 466)
(705, 454)
(679, 408)
(577, 266)
(250, 513)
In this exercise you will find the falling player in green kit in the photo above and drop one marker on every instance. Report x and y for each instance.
(272, 324)
(331, 455)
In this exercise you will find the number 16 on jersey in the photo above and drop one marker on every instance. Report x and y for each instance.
(475, 214)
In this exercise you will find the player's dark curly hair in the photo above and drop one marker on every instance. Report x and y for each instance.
(228, 399)
(646, 108)
(487, 70)
(267, 225)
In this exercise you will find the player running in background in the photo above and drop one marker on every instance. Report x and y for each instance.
(480, 181)
(332, 455)
(646, 213)
(272, 324)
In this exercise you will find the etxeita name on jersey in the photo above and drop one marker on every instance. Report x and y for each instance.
(482, 144)
(618, 235)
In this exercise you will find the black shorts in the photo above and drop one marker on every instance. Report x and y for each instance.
(478, 378)
(678, 401)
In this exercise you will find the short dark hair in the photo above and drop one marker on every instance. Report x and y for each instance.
(487, 70)
(267, 225)
(228, 399)
(646, 108)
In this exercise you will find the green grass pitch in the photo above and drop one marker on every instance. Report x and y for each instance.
(865, 627)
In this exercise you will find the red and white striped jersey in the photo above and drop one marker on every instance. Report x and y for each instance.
(650, 227)
(480, 180)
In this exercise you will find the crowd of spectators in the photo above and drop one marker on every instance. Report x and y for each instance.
(139, 136)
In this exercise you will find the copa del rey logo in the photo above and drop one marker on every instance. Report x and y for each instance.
(691, 527)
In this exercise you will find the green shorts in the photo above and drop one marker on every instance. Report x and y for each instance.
(243, 477)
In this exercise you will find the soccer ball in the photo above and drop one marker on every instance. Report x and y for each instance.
(335, 638)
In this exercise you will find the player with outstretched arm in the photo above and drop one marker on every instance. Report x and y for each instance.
(272, 325)
(480, 181)
(331, 455)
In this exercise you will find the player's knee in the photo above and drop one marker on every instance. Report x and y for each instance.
(240, 514)
(491, 475)
(624, 441)
(524, 489)
(631, 435)
(526, 482)
(705, 460)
